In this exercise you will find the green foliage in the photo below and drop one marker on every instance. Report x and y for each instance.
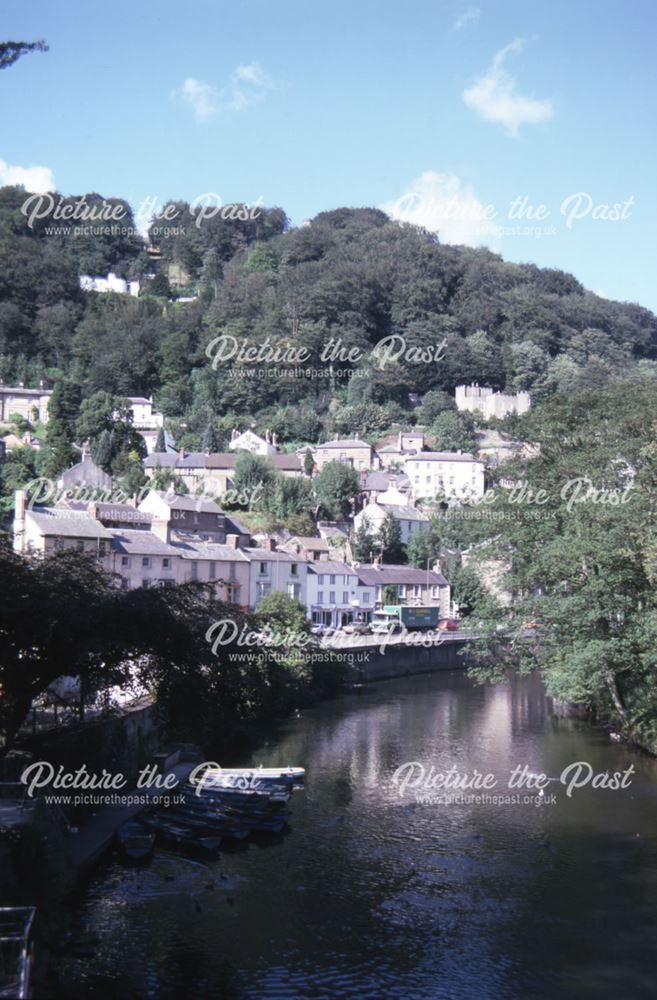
(424, 546)
(583, 555)
(336, 487)
(453, 432)
(364, 545)
(390, 542)
(255, 476)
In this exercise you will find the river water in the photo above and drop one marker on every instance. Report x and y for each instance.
(374, 894)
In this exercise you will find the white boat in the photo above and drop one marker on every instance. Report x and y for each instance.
(252, 777)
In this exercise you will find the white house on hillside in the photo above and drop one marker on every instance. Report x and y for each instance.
(250, 441)
(453, 474)
(392, 501)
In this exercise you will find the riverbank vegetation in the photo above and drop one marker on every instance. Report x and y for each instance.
(63, 616)
(575, 528)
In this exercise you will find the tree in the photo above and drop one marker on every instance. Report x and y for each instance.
(254, 477)
(390, 541)
(101, 451)
(582, 562)
(364, 545)
(453, 432)
(160, 441)
(10, 52)
(336, 487)
(467, 590)
(210, 442)
(423, 547)
(308, 462)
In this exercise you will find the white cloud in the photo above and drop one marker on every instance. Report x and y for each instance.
(36, 179)
(248, 85)
(469, 16)
(495, 98)
(443, 204)
(203, 99)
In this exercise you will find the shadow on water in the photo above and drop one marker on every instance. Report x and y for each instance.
(373, 894)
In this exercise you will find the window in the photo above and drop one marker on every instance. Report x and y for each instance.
(345, 597)
(320, 596)
(194, 569)
(332, 581)
(401, 592)
(264, 569)
(321, 580)
(435, 590)
(293, 590)
(146, 561)
(102, 548)
(294, 569)
(145, 584)
(125, 561)
(332, 597)
(232, 593)
(213, 571)
(166, 563)
(366, 597)
(80, 545)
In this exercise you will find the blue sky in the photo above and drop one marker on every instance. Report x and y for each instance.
(442, 112)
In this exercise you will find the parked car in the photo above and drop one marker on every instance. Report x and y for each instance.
(357, 628)
(322, 629)
(448, 625)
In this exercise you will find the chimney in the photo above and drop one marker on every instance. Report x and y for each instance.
(233, 541)
(271, 545)
(160, 528)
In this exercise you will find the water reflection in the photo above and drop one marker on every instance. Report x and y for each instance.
(373, 895)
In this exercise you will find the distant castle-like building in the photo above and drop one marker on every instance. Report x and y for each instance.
(490, 403)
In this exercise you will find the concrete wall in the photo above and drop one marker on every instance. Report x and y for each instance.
(400, 661)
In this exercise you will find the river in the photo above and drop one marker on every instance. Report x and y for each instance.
(373, 894)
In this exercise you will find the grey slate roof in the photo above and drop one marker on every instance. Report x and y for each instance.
(370, 575)
(382, 480)
(67, 524)
(209, 550)
(403, 513)
(347, 443)
(442, 456)
(327, 567)
(132, 541)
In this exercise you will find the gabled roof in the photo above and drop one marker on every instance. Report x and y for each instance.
(403, 513)
(371, 575)
(209, 550)
(442, 456)
(267, 555)
(183, 501)
(132, 541)
(67, 524)
(329, 567)
(350, 443)
(381, 480)
(306, 542)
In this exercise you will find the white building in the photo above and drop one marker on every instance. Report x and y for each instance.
(148, 422)
(275, 572)
(250, 441)
(110, 283)
(335, 595)
(456, 475)
(392, 501)
(32, 404)
(406, 585)
(482, 399)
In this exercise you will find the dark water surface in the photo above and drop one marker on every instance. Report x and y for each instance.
(373, 895)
